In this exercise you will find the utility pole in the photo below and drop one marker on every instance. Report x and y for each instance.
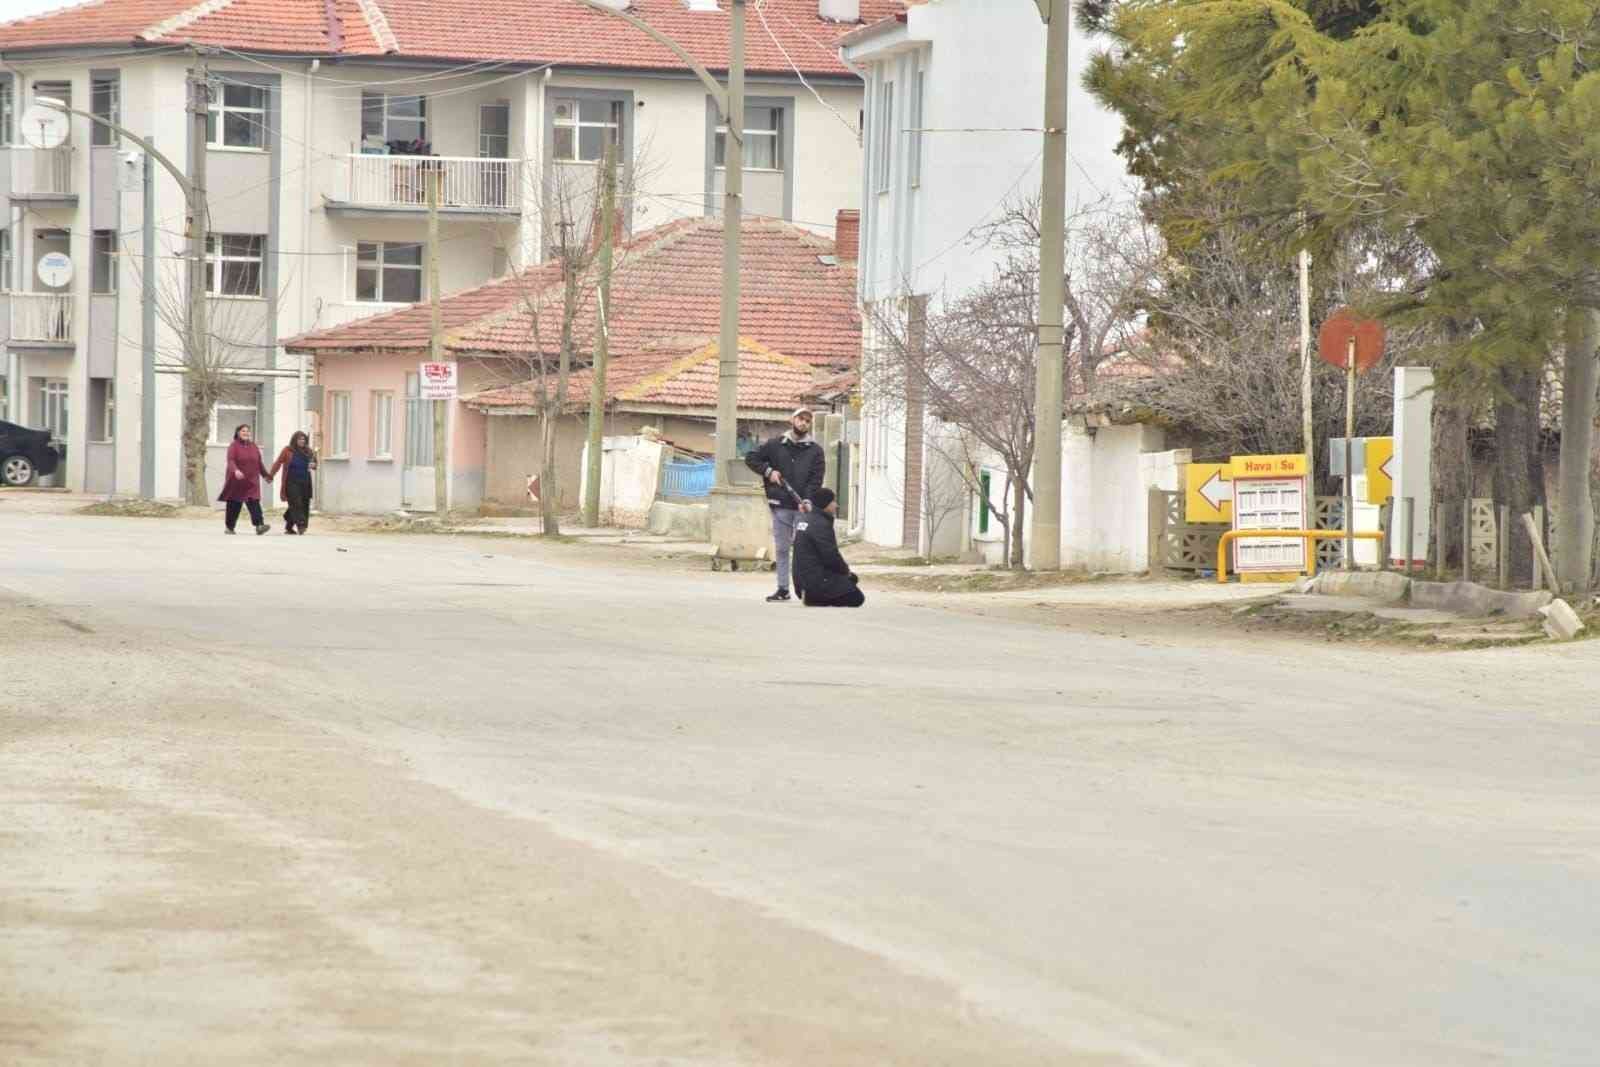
(732, 221)
(147, 323)
(199, 327)
(602, 341)
(1052, 294)
(1305, 355)
(441, 497)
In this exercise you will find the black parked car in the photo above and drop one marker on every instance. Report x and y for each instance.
(25, 454)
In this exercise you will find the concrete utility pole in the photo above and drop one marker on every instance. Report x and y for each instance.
(1052, 294)
(730, 102)
(602, 341)
(441, 489)
(199, 326)
(1306, 425)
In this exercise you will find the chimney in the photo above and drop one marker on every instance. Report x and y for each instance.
(847, 235)
(839, 10)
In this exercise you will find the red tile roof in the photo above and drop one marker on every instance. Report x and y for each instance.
(666, 295)
(561, 32)
(768, 382)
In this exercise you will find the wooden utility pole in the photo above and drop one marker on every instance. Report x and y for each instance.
(1052, 294)
(199, 327)
(602, 341)
(441, 489)
(1308, 433)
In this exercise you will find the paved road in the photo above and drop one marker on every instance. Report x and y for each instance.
(410, 800)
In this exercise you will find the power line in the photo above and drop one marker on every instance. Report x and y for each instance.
(761, 14)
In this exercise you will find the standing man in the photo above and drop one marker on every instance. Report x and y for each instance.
(818, 568)
(792, 466)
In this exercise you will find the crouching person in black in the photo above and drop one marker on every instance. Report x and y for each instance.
(821, 575)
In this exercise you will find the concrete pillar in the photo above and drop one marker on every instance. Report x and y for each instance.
(1413, 457)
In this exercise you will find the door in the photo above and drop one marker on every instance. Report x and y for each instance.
(494, 149)
(416, 472)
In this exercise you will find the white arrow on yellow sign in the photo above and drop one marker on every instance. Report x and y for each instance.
(1208, 495)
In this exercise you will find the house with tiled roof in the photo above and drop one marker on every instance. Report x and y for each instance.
(328, 121)
(798, 324)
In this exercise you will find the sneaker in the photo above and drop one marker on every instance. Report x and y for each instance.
(229, 530)
(778, 597)
(263, 528)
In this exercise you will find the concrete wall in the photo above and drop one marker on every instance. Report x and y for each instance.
(1413, 454)
(630, 477)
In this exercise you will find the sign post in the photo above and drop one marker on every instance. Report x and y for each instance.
(1353, 344)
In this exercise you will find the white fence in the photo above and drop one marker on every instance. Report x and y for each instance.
(492, 185)
(41, 171)
(41, 317)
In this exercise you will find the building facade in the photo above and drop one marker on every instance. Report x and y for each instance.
(328, 122)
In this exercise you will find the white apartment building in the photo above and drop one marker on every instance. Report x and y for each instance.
(971, 74)
(329, 118)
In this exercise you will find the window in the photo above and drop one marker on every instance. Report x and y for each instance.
(53, 399)
(8, 112)
(5, 261)
(382, 425)
(104, 274)
(238, 117)
(102, 409)
(233, 264)
(983, 502)
(386, 118)
(234, 408)
(763, 139)
(339, 425)
(60, 91)
(914, 147)
(388, 272)
(883, 150)
(583, 128)
(105, 101)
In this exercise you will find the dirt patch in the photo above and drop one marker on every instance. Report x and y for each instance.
(1270, 615)
(984, 581)
(142, 509)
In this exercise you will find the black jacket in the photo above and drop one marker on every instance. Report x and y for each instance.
(819, 570)
(801, 463)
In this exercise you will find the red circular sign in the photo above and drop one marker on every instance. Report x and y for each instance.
(1344, 331)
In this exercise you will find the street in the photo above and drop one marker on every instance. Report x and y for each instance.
(364, 799)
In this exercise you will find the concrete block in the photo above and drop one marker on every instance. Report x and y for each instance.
(1305, 586)
(740, 523)
(691, 522)
(1386, 587)
(1560, 622)
(1472, 599)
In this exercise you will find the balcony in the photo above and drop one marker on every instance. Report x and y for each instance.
(377, 184)
(42, 318)
(43, 174)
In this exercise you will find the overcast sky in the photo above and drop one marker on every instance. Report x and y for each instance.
(12, 9)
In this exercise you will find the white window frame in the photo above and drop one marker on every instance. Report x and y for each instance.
(216, 260)
(774, 133)
(578, 124)
(220, 109)
(381, 265)
(388, 99)
(8, 111)
(55, 407)
(107, 415)
(382, 425)
(110, 89)
(222, 428)
(103, 245)
(339, 424)
(5, 260)
(914, 147)
(883, 151)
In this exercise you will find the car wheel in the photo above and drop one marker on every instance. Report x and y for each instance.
(17, 470)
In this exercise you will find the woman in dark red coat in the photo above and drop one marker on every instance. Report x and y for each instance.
(241, 480)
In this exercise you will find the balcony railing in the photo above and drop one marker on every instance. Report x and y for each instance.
(41, 317)
(468, 184)
(42, 172)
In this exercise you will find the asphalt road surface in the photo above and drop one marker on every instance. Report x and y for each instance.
(394, 800)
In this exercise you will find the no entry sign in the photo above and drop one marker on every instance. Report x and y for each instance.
(437, 381)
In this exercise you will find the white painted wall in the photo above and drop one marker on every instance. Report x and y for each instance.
(1413, 454)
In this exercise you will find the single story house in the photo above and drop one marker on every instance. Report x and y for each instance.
(798, 320)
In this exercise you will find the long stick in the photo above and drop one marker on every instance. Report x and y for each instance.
(1349, 461)
(1539, 552)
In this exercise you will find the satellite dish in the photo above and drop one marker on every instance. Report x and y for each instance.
(44, 127)
(55, 270)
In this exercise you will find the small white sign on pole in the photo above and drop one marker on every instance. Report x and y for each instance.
(437, 381)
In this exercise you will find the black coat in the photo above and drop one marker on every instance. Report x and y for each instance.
(801, 463)
(819, 569)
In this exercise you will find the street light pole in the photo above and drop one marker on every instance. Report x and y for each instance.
(1052, 295)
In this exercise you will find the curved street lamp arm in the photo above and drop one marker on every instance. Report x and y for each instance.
(172, 168)
(718, 93)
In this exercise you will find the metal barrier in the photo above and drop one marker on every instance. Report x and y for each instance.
(688, 479)
(1309, 536)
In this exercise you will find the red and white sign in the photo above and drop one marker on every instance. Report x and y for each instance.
(437, 381)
